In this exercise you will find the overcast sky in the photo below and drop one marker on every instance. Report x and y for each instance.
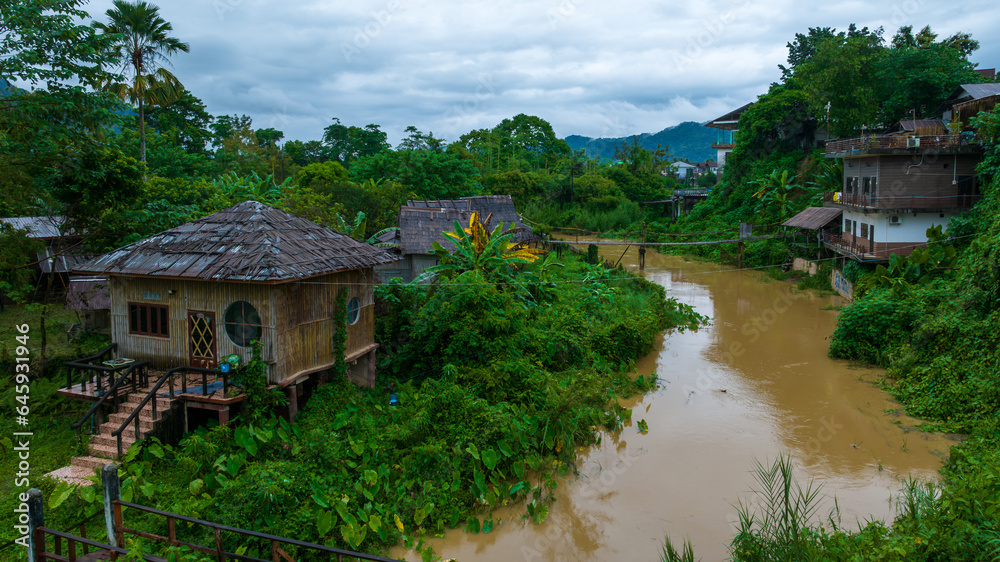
(589, 67)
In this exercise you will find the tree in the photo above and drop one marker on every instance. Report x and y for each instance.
(139, 39)
(269, 137)
(844, 74)
(432, 175)
(804, 47)
(917, 73)
(44, 48)
(416, 140)
(309, 152)
(185, 121)
(350, 143)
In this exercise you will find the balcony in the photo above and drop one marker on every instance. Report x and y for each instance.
(902, 202)
(866, 250)
(899, 144)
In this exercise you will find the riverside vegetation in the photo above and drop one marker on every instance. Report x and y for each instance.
(930, 319)
(501, 377)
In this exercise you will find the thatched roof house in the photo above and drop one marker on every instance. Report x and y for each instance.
(207, 288)
(421, 223)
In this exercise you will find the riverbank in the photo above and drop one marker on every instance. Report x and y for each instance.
(725, 397)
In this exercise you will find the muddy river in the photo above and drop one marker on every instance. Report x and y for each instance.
(754, 385)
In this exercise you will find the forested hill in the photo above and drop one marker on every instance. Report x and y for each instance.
(688, 140)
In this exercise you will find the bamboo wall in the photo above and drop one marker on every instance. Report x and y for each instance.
(208, 296)
(305, 325)
(296, 318)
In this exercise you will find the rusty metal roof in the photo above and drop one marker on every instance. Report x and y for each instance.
(814, 218)
(422, 222)
(248, 242)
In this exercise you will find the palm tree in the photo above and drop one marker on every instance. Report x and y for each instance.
(139, 39)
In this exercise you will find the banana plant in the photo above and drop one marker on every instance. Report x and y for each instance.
(356, 230)
(493, 253)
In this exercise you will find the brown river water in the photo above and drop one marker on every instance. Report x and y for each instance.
(755, 384)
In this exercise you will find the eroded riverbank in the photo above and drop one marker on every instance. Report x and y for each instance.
(755, 384)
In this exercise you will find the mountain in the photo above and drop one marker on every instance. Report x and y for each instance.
(688, 140)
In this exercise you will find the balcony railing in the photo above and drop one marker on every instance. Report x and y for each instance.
(898, 142)
(889, 202)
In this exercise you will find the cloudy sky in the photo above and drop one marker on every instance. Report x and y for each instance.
(589, 67)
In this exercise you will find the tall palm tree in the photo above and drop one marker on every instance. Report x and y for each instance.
(139, 39)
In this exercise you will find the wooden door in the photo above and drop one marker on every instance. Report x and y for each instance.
(201, 339)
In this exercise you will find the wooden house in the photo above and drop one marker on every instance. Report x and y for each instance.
(421, 223)
(897, 185)
(206, 289)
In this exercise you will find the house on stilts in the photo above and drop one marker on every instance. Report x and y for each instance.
(197, 295)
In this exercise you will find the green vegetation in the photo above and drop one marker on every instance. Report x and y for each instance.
(499, 382)
(508, 363)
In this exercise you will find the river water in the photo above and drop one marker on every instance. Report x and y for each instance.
(754, 385)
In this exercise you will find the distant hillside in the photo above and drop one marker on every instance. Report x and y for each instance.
(688, 140)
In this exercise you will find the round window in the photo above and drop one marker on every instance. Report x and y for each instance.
(242, 323)
(353, 311)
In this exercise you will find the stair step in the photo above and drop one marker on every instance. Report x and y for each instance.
(136, 397)
(145, 424)
(108, 441)
(89, 462)
(108, 452)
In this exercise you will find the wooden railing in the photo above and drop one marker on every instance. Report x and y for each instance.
(86, 365)
(168, 379)
(278, 546)
(899, 142)
(134, 373)
(71, 544)
(889, 202)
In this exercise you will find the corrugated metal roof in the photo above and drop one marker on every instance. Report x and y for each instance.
(247, 242)
(64, 261)
(728, 121)
(460, 204)
(982, 90)
(814, 218)
(37, 227)
(910, 125)
(422, 222)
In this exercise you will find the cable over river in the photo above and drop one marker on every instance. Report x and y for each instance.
(754, 385)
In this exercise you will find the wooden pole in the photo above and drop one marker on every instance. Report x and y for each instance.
(112, 493)
(36, 519)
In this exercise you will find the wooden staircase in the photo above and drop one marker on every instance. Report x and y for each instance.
(104, 445)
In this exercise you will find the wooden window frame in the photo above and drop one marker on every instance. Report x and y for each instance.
(155, 318)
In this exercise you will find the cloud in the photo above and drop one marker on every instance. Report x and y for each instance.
(588, 67)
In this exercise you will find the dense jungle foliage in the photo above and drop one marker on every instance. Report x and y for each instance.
(499, 379)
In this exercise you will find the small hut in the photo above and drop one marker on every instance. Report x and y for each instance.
(208, 288)
(421, 223)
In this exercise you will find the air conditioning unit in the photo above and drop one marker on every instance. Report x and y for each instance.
(895, 220)
(912, 142)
